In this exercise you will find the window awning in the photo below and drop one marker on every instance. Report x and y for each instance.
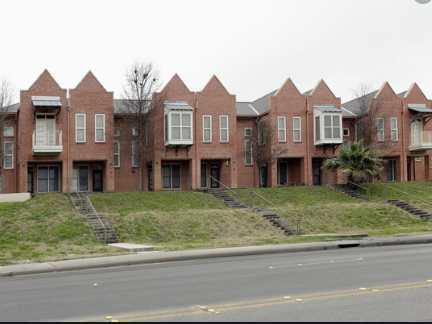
(420, 108)
(46, 101)
(177, 105)
(328, 109)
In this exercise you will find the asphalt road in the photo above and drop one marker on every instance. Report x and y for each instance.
(376, 284)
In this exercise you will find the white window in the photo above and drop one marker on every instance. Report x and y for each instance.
(394, 129)
(248, 159)
(80, 128)
(223, 129)
(317, 128)
(346, 132)
(332, 127)
(117, 132)
(380, 129)
(281, 122)
(100, 128)
(179, 127)
(297, 130)
(134, 131)
(135, 155)
(116, 154)
(8, 131)
(207, 129)
(8, 155)
(45, 130)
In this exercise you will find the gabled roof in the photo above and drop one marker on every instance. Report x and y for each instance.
(215, 86)
(355, 106)
(44, 81)
(90, 83)
(246, 109)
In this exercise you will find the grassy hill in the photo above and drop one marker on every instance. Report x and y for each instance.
(44, 228)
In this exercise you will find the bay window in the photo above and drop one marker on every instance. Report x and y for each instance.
(178, 128)
(328, 128)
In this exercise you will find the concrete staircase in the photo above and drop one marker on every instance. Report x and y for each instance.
(101, 226)
(350, 191)
(269, 215)
(417, 212)
(226, 197)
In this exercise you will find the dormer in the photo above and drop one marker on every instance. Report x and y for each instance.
(178, 120)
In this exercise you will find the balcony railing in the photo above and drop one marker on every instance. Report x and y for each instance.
(47, 144)
(421, 140)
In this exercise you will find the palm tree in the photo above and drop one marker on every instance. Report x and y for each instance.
(357, 161)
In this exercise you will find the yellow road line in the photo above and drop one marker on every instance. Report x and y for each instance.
(260, 303)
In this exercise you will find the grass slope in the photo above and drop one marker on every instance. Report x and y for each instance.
(44, 228)
(179, 220)
(323, 210)
(416, 193)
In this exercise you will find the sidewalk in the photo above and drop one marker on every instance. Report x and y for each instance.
(158, 257)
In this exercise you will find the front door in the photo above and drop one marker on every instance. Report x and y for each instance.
(214, 176)
(316, 167)
(48, 179)
(391, 170)
(97, 181)
(30, 186)
(263, 176)
(283, 173)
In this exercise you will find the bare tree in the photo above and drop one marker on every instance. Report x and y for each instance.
(142, 80)
(366, 122)
(6, 97)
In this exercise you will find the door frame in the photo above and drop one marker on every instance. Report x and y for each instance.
(214, 166)
(58, 180)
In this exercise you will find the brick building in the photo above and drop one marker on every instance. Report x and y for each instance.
(83, 140)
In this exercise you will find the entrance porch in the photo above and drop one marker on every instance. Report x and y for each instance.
(215, 174)
(88, 176)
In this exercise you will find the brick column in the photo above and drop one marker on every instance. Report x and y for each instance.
(157, 175)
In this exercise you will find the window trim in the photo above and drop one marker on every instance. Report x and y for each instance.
(283, 129)
(11, 155)
(84, 128)
(299, 130)
(8, 127)
(104, 128)
(220, 128)
(134, 165)
(379, 131)
(348, 132)
(246, 141)
(210, 128)
(117, 165)
(246, 129)
(394, 129)
(168, 125)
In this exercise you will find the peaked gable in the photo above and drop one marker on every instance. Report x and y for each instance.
(215, 86)
(322, 90)
(176, 85)
(45, 82)
(415, 93)
(288, 89)
(386, 92)
(90, 83)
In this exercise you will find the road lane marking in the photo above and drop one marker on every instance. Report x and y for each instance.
(255, 304)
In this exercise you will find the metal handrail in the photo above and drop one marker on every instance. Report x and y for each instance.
(235, 193)
(407, 194)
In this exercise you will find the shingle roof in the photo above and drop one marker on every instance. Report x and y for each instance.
(12, 108)
(262, 104)
(246, 109)
(355, 105)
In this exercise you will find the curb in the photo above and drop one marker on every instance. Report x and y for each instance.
(163, 257)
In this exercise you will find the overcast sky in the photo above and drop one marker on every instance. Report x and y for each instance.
(251, 45)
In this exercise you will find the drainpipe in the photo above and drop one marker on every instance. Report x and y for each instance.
(307, 156)
(404, 148)
(68, 142)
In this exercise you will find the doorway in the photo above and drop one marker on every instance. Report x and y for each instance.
(391, 170)
(317, 172)
(97, 181)
(214, 176)
(263, 176)
(30, 181)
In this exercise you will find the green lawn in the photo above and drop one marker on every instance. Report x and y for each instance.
(323, 210)
(416, 193)
(44, 228)
(179, 220)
